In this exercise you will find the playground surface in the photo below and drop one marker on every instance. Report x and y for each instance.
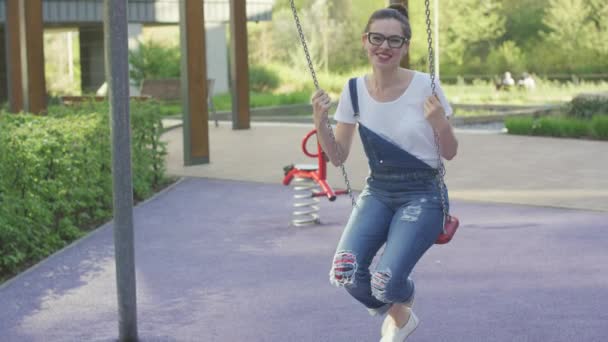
(217, 260)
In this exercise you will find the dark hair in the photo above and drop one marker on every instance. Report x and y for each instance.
(394, 11)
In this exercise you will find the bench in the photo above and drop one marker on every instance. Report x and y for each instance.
(72, 100)
(170, 89)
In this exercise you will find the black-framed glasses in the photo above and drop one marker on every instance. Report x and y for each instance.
(394, 42)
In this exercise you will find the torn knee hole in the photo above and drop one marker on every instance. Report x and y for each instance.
(343, 269)
(379, 282)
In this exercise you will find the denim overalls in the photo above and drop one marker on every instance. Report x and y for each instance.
(400, 206)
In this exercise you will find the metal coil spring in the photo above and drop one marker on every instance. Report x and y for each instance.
(305, 206)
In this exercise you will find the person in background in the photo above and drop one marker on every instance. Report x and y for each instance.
(507, 81)
(526, 82)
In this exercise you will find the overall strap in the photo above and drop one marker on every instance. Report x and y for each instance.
(352, 86)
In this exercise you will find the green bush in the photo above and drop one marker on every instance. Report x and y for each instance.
(560, 126)
(585, 106)
(55, 176)
(573, 128)
(519, 125)
(152, 60)
(262, 79)
(599, 127)
(547, 126)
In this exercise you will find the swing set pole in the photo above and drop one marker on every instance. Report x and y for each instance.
(436, 29)
(117, 76)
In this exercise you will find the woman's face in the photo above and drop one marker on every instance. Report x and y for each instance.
(385, 32)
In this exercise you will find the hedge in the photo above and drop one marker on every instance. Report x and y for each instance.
(586, 116)
(586, 106)
(55, 176)
(559, 126)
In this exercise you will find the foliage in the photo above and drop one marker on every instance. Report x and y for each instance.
(524, 21)
(599, 127)
(507, 56)
(519, 125)
(586, 106)
(475, 36)
(61, 77)
(577, 29)
(55, 176)
(559, 126)
(152, 60)
(262, 79)
(332, 29)
(474, 26)
(265, 100)
(573, 128)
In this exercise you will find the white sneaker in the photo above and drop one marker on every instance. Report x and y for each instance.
(399, 335)
(385, 324)
(384, 329)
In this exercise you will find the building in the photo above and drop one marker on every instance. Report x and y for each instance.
(86, 16)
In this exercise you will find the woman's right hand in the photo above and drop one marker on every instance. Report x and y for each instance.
(320, 106)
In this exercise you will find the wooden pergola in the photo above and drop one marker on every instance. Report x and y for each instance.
(26, 78)
(25, 56)
(194, 76)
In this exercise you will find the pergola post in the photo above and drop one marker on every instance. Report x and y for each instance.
(405, 62)
(32, 56)
(13, 56)
(239, 65)
(194, 82)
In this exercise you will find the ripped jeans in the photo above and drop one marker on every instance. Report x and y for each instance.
(402, 210)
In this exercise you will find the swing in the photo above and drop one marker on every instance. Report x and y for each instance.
(450, 223)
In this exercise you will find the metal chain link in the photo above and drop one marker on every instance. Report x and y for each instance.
(441, 171)
(316, 82)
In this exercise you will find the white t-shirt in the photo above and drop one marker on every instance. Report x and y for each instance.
(401, 121)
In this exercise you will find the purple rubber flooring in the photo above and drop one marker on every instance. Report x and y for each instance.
(218, 261)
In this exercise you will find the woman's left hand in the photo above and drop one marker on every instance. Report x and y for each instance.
(433, 111)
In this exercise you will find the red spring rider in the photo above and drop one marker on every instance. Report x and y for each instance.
(318, 173)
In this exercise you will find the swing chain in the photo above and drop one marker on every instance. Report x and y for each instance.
(441, 170)
(316, 82)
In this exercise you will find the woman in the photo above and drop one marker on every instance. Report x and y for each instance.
(401, 204)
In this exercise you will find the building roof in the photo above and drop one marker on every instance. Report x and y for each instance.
(70, 12)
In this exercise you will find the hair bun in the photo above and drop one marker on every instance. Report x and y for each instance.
(401, 9)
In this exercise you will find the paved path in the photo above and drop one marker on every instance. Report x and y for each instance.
(489, 167)
(217, 261)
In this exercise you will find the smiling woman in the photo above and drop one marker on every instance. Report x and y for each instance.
(402, 117)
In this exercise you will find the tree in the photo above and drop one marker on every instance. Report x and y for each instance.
(154, 60)
(468, 29)
(332, 29)
(524, 21)
(573, 33)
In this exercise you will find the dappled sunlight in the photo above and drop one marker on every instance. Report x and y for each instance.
(91, 304)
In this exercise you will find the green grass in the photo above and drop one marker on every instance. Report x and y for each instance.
(223, 102)
(296, 87)
(546, 92)
(472, 113)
